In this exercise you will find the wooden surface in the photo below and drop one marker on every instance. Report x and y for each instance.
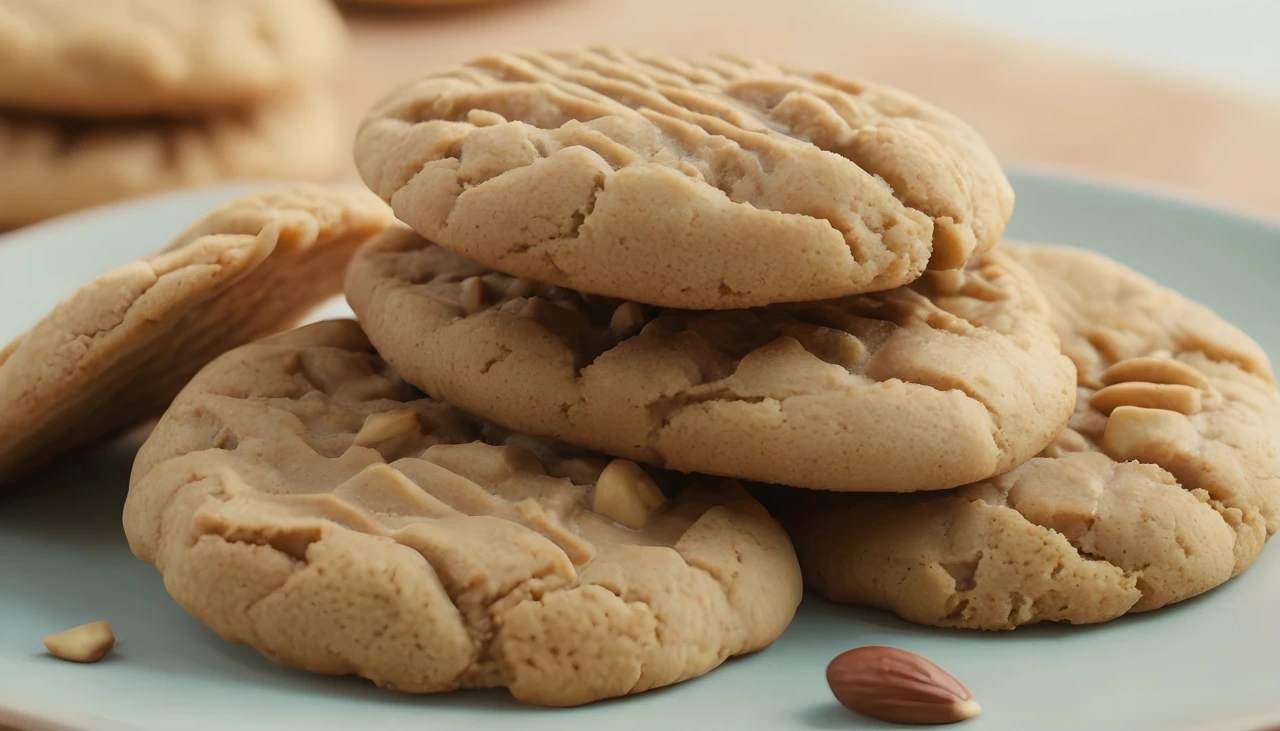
(1045, 107)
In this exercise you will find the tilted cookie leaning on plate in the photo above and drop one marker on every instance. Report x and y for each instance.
(116, 351)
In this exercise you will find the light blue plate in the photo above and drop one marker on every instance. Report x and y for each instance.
(1211, 662)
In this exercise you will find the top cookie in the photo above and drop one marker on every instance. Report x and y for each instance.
(136, 57)
(719, 184)
(116, 351)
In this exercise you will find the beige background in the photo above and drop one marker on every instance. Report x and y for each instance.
(1038, 105)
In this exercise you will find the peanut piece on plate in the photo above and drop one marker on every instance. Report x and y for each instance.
(86, 643)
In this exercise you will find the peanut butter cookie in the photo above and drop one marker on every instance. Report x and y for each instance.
(54, 165)
(715, 184)
(116, 58)
(951, 379)
(300, 499)
(114, 353)
(1165, 484)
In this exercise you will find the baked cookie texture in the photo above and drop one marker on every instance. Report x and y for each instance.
(1165, 484)
(115, 352)
(129, 58)
(952, 379)
(717, 184)
(53, 165)
(300, 499)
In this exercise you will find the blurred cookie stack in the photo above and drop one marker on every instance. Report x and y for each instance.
(105, 100)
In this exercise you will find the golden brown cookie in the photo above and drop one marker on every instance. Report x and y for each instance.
(55, 165)
(952, 379)
(114, 353)
(114, 58)
(715, 184)
(1165, 484)
(300, 499)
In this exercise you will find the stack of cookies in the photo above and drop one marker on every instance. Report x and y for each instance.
(792, 279)
(110, 99)
(656, 341)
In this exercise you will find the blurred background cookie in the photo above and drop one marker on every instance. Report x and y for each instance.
(54, 165)
(107, 100)
(126, 58)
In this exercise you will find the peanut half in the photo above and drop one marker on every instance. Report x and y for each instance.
(1147, 435)
(626, 494)
(86, 643)
(1155, 370)
(627, 320)
(384, 425)
(1167, 396)
(474, 295)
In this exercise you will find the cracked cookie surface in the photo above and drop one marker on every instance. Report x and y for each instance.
(116, 351)
(716, 184)
(1165, 484)
(949, 380)
(115, 58)
(53, 165)
(301, 499)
